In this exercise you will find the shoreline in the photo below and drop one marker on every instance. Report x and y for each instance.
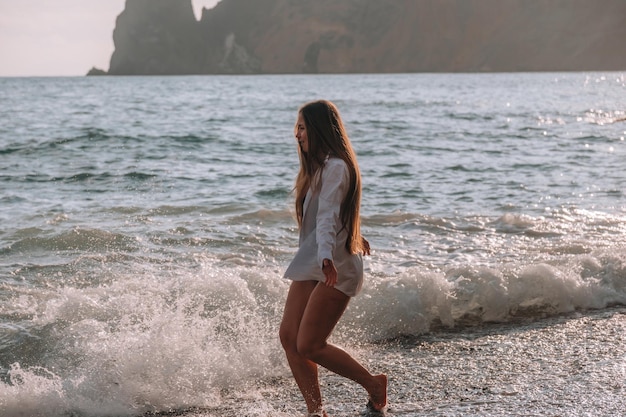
(568, 365)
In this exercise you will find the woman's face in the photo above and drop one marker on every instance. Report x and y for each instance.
(301, 135)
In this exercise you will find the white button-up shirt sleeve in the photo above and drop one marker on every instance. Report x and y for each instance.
(335, 182)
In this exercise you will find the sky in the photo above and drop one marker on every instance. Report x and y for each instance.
(60, 37)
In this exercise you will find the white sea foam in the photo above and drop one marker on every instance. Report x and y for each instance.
(148, 343)
(417, 300)
(152, 341)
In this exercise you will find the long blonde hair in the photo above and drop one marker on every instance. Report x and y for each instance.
(327, 136)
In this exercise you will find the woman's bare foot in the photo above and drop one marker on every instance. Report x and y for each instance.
(320, 413)
(378, 392)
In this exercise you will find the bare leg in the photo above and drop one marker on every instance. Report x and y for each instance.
(304, 370)
(325, 307)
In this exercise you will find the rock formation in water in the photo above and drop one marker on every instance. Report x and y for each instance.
(96, 71)
(157, 37)
(369, 36)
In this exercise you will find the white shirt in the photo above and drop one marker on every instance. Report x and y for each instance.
(320, 237)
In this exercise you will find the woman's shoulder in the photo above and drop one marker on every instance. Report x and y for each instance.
(333, 161)
(336, 169)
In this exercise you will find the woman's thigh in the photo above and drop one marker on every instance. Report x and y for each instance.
(325, 307)
(297, 300)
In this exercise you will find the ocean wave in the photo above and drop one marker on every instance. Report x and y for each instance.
(157, 339)
(77, 239)
(274, 193)
(146, 342)
(603, 117)
(419, 299)
(79, 177)
(264, 216)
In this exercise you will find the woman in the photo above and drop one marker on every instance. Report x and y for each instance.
(327, 269)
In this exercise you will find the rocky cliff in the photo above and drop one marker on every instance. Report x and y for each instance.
(157, 37)
(344, 36)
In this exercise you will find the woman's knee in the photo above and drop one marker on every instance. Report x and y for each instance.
(287, 339)
(309, 349)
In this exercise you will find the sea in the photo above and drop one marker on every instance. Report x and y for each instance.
(146, 222)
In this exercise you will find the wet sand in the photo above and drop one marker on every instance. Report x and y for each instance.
(571, 365)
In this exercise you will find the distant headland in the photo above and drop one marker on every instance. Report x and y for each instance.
(163, 37)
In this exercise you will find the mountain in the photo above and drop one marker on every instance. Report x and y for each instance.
(369, 36)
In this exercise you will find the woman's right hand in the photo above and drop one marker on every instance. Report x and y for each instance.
(330, 272)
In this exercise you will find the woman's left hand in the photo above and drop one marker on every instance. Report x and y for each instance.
(330, 272)
(366, 246)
